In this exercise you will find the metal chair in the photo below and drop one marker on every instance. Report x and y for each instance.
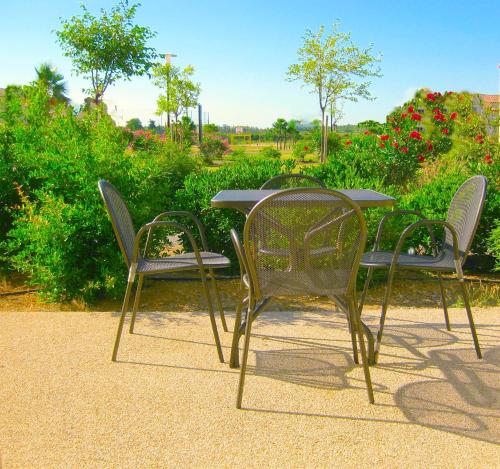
(288, 181)
(460, 227)
(309, 215)
(141, 266)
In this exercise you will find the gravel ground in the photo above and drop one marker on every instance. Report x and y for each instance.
(168, 402)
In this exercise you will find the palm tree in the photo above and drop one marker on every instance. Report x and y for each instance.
(53, 80)
(279, 128)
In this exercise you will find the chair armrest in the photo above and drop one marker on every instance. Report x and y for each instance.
(396, 213)
(148, 227)
(411, 228)
(186, 214)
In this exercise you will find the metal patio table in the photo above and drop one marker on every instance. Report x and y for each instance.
(244, 200)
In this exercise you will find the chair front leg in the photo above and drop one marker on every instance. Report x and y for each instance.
(218, 300)
(137, 301)
(243, 367)
(365, 289)
(126, 300)
(354, 314)
(443, 300)
(385, 305)
(211, 314)
(465, 296)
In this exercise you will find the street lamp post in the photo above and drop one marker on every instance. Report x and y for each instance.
(168, 59)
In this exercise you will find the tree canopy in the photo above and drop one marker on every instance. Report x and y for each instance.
(108, 48)
(181, 93)
(334, 68)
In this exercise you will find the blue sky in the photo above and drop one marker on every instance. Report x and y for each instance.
(241, 51)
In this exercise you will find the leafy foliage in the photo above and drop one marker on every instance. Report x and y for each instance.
(107, 49)
(60, 234)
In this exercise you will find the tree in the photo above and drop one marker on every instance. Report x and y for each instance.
(334, 68)
(181, 93)
(54, 82)
(280, 129)
(336, 113)
(108, 48)
(152, 125)
(134, 124)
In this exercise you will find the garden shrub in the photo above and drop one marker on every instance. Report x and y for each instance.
(200, 187)
(270, 152)
(211, 149)
(61, 235)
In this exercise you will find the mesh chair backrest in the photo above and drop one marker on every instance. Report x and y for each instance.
(288, 181)
(120, 219)
(464, 213)
(304, 242)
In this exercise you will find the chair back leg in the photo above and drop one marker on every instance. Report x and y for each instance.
(443, 301)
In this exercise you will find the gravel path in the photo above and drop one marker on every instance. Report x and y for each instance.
(168, 402)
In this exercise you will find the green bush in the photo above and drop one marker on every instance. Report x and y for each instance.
(61, 235)
(270, 152)
(212, 149)
(199, 188)
(494, 244)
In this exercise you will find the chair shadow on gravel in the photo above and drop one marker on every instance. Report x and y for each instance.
(466, 402)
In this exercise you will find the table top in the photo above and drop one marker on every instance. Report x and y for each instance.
(247, 198)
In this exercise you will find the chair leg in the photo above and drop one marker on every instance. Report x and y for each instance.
(126, 300)
(137, 301)
(352, 330)
(365, 289)
(443, 300)
(385, 304)
(211, 314)
(218, 300)
(243, 366)
(355, 315)
(465, 296)
(235, 359)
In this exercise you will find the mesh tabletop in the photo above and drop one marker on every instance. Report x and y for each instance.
(245, 199)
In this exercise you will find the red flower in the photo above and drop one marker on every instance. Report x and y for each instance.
(429, 145)
(488, 159)
(348, 142)
(416, 117)
(450, 92)
(479, 138)
(453, 115)
(404, 149)
(306, 148)
(382, 145)
(404, 115)
(437, 117)
(411, 109)
(416, 135)
(384, 137)
(430, 97)
(445, 131)
(395, 144)
(367, 132)
(397, 130)
(421, 158)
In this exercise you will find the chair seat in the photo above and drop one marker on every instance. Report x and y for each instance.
(383, 259)
(186, 261)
